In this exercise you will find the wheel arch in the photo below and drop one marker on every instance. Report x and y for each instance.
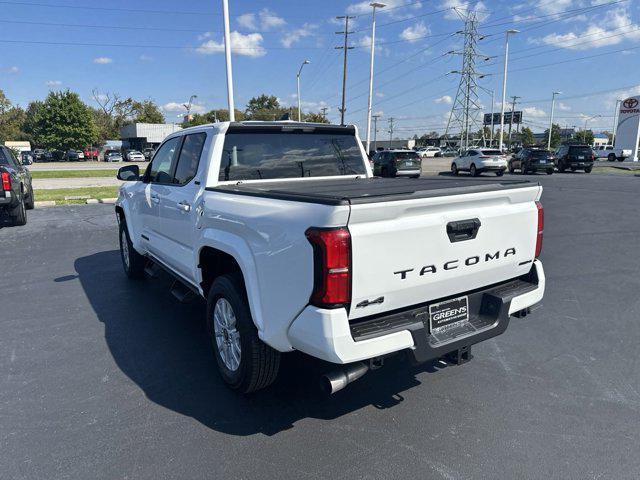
(225, 254)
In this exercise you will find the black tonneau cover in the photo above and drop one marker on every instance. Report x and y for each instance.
(352, 191)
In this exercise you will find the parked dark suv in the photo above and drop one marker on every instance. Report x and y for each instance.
(574, 157)
(397, 163)
(530, 160)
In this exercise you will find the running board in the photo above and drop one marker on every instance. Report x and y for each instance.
(183, 293)
(182, 290)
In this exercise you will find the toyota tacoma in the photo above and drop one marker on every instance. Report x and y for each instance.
(295, 245)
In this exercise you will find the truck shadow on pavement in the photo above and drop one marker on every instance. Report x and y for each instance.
(161, 345)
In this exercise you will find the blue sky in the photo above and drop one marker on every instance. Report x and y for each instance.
(168, 50)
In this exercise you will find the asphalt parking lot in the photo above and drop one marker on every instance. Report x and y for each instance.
(104, 378)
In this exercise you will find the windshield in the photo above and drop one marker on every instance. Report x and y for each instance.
(277, 154)
(491, 152)
(405, 155)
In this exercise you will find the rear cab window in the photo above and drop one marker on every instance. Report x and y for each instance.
(579, 151)
(279, 153)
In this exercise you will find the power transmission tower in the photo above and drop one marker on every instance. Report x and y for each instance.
(391, 120)
(466, 110)
(324, 112)
(375, 132)
(346, 48)
(513, 108)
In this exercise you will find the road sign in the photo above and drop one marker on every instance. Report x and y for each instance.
(517, 118)
(628, 131)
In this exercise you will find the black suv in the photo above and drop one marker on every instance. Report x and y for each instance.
(532, 160)
(575, 157)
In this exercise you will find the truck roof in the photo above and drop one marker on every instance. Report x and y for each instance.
(272, 124)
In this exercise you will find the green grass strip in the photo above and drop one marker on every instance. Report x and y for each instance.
(58, 194)
(73, 173)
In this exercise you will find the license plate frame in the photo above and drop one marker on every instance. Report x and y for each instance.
(448, 314)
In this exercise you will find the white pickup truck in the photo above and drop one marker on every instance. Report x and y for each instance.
(282, 227)
(611, 153)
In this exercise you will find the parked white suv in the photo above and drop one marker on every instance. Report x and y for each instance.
(426, 152)
(478, 160)
(294, 244)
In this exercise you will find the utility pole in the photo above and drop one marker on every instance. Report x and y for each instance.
(504, 81)
(466, 108)
(227, 55)
(375, 131)
(346, 48)
(553, 105)
(513, 107)
(391, 120)
(324, 112)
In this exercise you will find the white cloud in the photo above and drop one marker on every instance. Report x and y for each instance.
(145, 58)
(53, 83)
(102, 60)
(563, 106)
(265, 19)
(446, 99)
(294, 36)
(613, 28)
(177, 107)
(380, 94)
(13, 70)
(533, 112)
(249, 45)
(415, 32)
(248, 21)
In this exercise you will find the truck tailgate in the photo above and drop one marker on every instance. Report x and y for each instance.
(404, 254)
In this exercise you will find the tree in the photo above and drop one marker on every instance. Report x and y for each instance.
(527, 136)
(265, 107)
(314, 117)
(63, 121)
(11, 120)
(586, 136)
(147, 112)
(219, 115)
(555, 135)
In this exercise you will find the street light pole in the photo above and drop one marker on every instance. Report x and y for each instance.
(227, 54)
(298, 83)
(374, 5)
(615, 123)
(375, 132)
(553, 104)
(584, 132)
(504, 82)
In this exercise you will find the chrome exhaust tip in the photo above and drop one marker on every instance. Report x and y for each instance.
(335, 381)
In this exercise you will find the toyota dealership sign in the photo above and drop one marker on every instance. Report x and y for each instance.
(628, 131)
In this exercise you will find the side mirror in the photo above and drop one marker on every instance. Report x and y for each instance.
(130, 173)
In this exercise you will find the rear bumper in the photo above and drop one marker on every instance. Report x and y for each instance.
(328, 335)
(491, 168)
(540, 166)
(7, 199)
(408, 173)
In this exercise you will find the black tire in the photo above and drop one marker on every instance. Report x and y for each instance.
(384, 172)
(511, 169)
(132, 262)
(550, 171)
(415, 176)
(259, 363)
(561, 167)
(18, 213)
(573, 169)
(473, 170)
(499, 173)
(523, 169)
(30, 203)
(621, 159)
(611, 157)
(588, 169)
(454, 168)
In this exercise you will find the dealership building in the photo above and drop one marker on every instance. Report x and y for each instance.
(138, 136)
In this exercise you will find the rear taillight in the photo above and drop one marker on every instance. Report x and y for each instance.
(6, 181)
(332, 266)
(540, 229)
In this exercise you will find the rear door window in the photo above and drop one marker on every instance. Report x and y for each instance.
(580, 151)
(189, 158)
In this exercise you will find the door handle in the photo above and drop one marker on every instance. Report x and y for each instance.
(184, 206)
(463, 230)
(155, 198)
